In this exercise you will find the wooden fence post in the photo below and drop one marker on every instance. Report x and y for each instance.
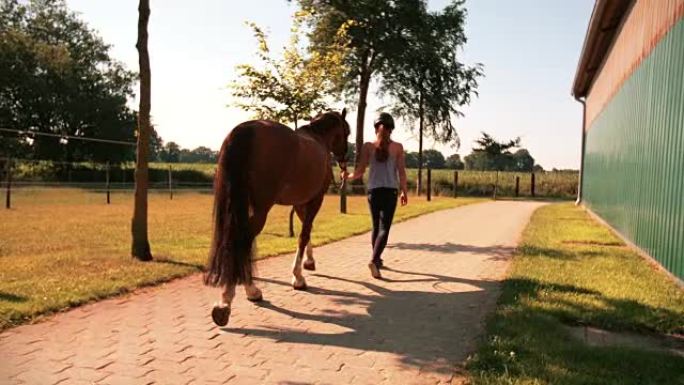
(107, 176)
(496, 183)
(170, 184)
(517, 186)
(532, 185)
(8, 196)
(455, 183)
(429, 184)
(343, 197)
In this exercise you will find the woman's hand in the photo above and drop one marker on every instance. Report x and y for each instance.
(403, 198)
(344, 175)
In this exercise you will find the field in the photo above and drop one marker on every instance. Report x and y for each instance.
(557, 185)
(64, 247)
(571, 271)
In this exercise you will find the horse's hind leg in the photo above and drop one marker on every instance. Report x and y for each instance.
(221, 312)
(253, 292)
(309, 262)
(256, 224)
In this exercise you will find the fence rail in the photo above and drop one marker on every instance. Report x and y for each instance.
(30, 175)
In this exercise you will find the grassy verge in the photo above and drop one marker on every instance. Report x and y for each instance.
(64, 247)
(570, 270)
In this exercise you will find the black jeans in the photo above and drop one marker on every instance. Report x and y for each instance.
(383, 203)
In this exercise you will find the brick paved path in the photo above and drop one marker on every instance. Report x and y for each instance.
(415, 326)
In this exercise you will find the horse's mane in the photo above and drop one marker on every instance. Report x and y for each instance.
(322, 122)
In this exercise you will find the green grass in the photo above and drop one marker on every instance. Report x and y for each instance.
(569, 270)
(64, 247)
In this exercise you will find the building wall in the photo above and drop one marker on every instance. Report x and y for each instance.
(634, 156)
(645, 26)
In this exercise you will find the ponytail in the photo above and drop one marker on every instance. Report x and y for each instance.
(382, 146)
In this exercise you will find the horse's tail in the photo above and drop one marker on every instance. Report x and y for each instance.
(230, 259)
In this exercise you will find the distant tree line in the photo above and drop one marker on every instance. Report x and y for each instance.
(171, 152)
(488, 155)
(492, 155)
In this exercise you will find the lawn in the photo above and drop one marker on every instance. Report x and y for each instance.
(569, 270)
(64, 247)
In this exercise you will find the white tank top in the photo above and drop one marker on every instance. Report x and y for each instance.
(383, 174)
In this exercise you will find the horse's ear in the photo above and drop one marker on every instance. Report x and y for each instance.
(344, 112)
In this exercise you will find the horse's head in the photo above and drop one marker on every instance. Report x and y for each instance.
(335, 129)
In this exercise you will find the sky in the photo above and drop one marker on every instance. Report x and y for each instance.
(529, 49)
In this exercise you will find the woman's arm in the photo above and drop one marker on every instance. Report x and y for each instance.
(401, 169)
(363, 163)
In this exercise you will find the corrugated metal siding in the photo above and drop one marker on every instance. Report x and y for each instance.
(634, 160)
(644, 27)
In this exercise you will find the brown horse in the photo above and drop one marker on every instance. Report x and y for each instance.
(263, 163)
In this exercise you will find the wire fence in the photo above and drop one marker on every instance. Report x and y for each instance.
(28, 175)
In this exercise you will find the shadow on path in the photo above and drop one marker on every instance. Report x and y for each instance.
(425, 329)
(496, 252)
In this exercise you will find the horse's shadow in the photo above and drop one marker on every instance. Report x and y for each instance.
(426, 329)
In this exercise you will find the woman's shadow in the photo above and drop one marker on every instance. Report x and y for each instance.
(426, 329)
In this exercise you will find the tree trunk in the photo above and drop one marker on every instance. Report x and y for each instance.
(292, 210)
(420, 144)
(361, 110)
(140, 248)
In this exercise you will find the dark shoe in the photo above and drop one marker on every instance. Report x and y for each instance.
(375, 272)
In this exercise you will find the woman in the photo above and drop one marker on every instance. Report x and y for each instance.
(387, 173)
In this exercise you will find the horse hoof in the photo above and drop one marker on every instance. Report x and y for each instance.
(258, 298)
(301, 287)
(220, 315)
(310, 265)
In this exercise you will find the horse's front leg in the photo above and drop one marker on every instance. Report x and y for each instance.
(306, 214)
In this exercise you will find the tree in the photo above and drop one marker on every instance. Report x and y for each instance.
(523, 161)
(351, 151)
(198, 155)
(140, 247)
(156, 144)
(429, 84)
(454, 162)
(374, 30)
(491, 154)
(171, 153)
(57, 77)
(295, 87)
(433, 159)
(411, 159)
(478, 161)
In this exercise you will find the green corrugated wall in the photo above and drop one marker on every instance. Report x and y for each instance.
(634, 157)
